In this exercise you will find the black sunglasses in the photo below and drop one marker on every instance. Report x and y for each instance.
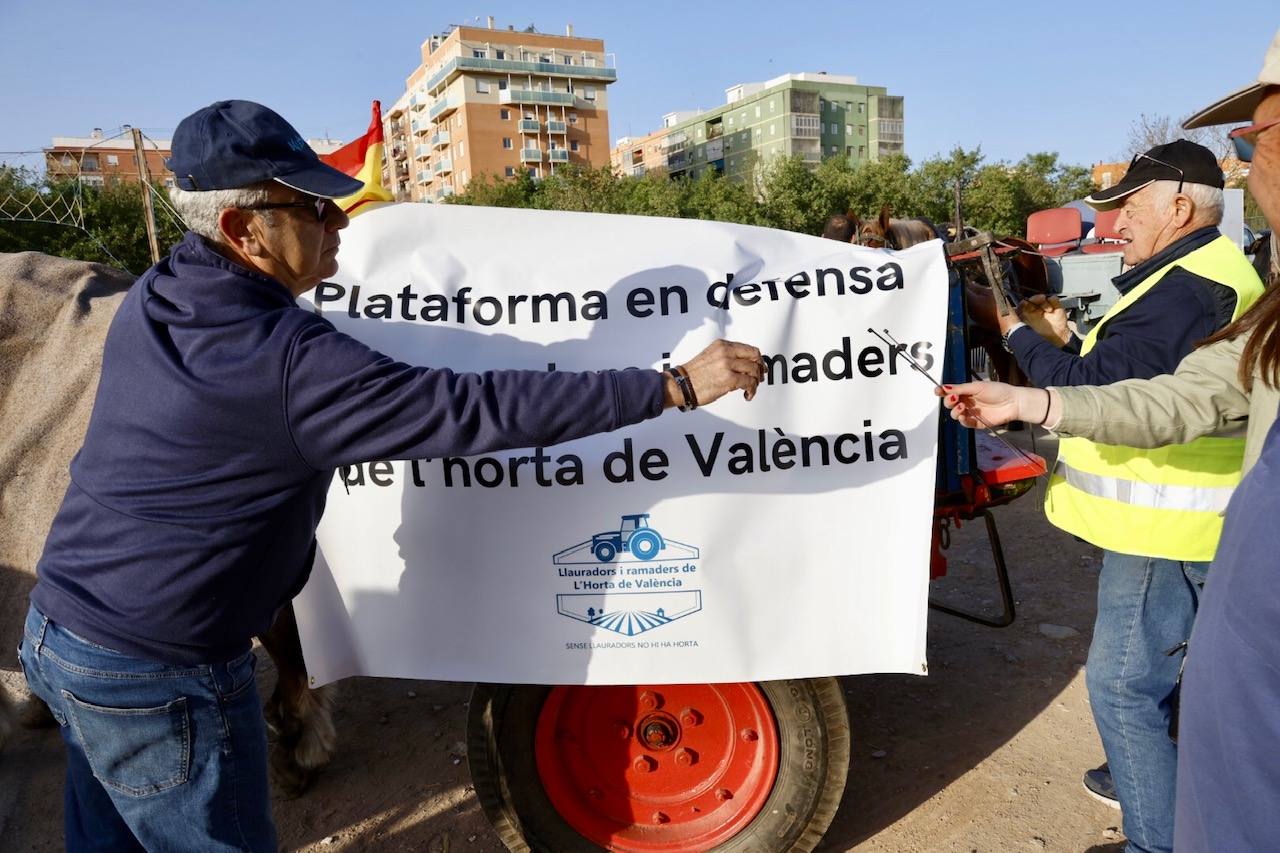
(1181, 174)
(319, 205)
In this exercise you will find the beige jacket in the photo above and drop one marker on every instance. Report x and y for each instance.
(1204, 397)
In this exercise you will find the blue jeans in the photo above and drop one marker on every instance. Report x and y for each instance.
(159, 756)
(1146, 606)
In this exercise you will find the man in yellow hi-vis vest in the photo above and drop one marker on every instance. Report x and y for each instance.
(1156, 513)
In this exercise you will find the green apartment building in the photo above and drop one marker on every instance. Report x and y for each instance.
(814, 115)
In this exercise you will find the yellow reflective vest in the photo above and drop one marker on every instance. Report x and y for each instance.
(1165, 502)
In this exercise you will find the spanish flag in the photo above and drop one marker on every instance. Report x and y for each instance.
(362, 159)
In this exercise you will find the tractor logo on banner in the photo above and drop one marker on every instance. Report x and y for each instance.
(630, 579)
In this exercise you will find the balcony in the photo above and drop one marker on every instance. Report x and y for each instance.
(421, 152)
(398, 152)
(530, 155)
(444, 166)
(440, 139)
(421, 127)
(402, 170)
(806, 127)
(558, 155)
(535, 96)
(425, 176)
(530, 125)
(442, 108)
(444, 192)
(459, 64)
(557, 127)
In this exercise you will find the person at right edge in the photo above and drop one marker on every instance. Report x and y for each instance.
(1228, 779)
(1184, 282)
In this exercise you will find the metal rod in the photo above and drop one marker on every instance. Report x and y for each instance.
(891, 341)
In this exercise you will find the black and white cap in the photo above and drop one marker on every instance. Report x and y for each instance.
(1183, 161)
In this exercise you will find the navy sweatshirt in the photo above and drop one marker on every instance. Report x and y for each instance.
(1229, 728)
(1149, 338)
(222, 412)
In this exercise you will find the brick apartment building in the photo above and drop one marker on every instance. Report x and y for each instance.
(98, 161)
(499, 102)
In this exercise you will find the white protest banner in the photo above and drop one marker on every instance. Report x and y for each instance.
(783, 538)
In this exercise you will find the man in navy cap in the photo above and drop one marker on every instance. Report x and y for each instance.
(222, 412)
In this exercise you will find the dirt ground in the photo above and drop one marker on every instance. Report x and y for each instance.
(983, 754)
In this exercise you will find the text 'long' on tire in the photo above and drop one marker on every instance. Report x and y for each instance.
(757, 766)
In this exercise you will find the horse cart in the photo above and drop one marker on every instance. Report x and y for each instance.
(650, 768)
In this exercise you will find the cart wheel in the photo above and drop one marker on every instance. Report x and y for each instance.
(654, 768)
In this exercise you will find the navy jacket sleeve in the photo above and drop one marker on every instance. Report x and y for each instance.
(1148, 339)
(347, 403)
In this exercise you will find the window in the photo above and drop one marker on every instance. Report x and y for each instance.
(573, 146)
(848, 106)
(568, 60)
(589, 61)
(773, 105)
(544, 58)
(505, 115)
(89, 164)
(860, 108)
(502, 84)
(509, 172)
(773, 129)
(573, 118)
(506, 142)
(835, 128)
(848, 151)
(478, 54)
(589, 93)
(462, 149)
(848, 130)
(757, 111)
(833, 149)
(730, 121)
(533, 172)
(862, 150)
(113, 160)
(500, 54)
(482, 86)
(757, 134)
(568, 86)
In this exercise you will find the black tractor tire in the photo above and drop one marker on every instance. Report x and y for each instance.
(814, 740)
(604, 551)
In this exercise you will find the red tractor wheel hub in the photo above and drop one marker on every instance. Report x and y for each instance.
(660, 767)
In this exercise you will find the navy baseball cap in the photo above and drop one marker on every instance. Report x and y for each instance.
(233, 144)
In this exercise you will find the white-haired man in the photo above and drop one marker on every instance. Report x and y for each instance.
(1155, 513)
(222, 412)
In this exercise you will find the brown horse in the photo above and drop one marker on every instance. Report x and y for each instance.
(1025, 275)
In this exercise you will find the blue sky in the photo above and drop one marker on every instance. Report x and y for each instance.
(1007, 76)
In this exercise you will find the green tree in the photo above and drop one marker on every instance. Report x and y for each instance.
(114, 229)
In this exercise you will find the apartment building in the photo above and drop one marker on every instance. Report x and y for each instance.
(499, 102)
(98, 161)
(637, 155)
(814, 115)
